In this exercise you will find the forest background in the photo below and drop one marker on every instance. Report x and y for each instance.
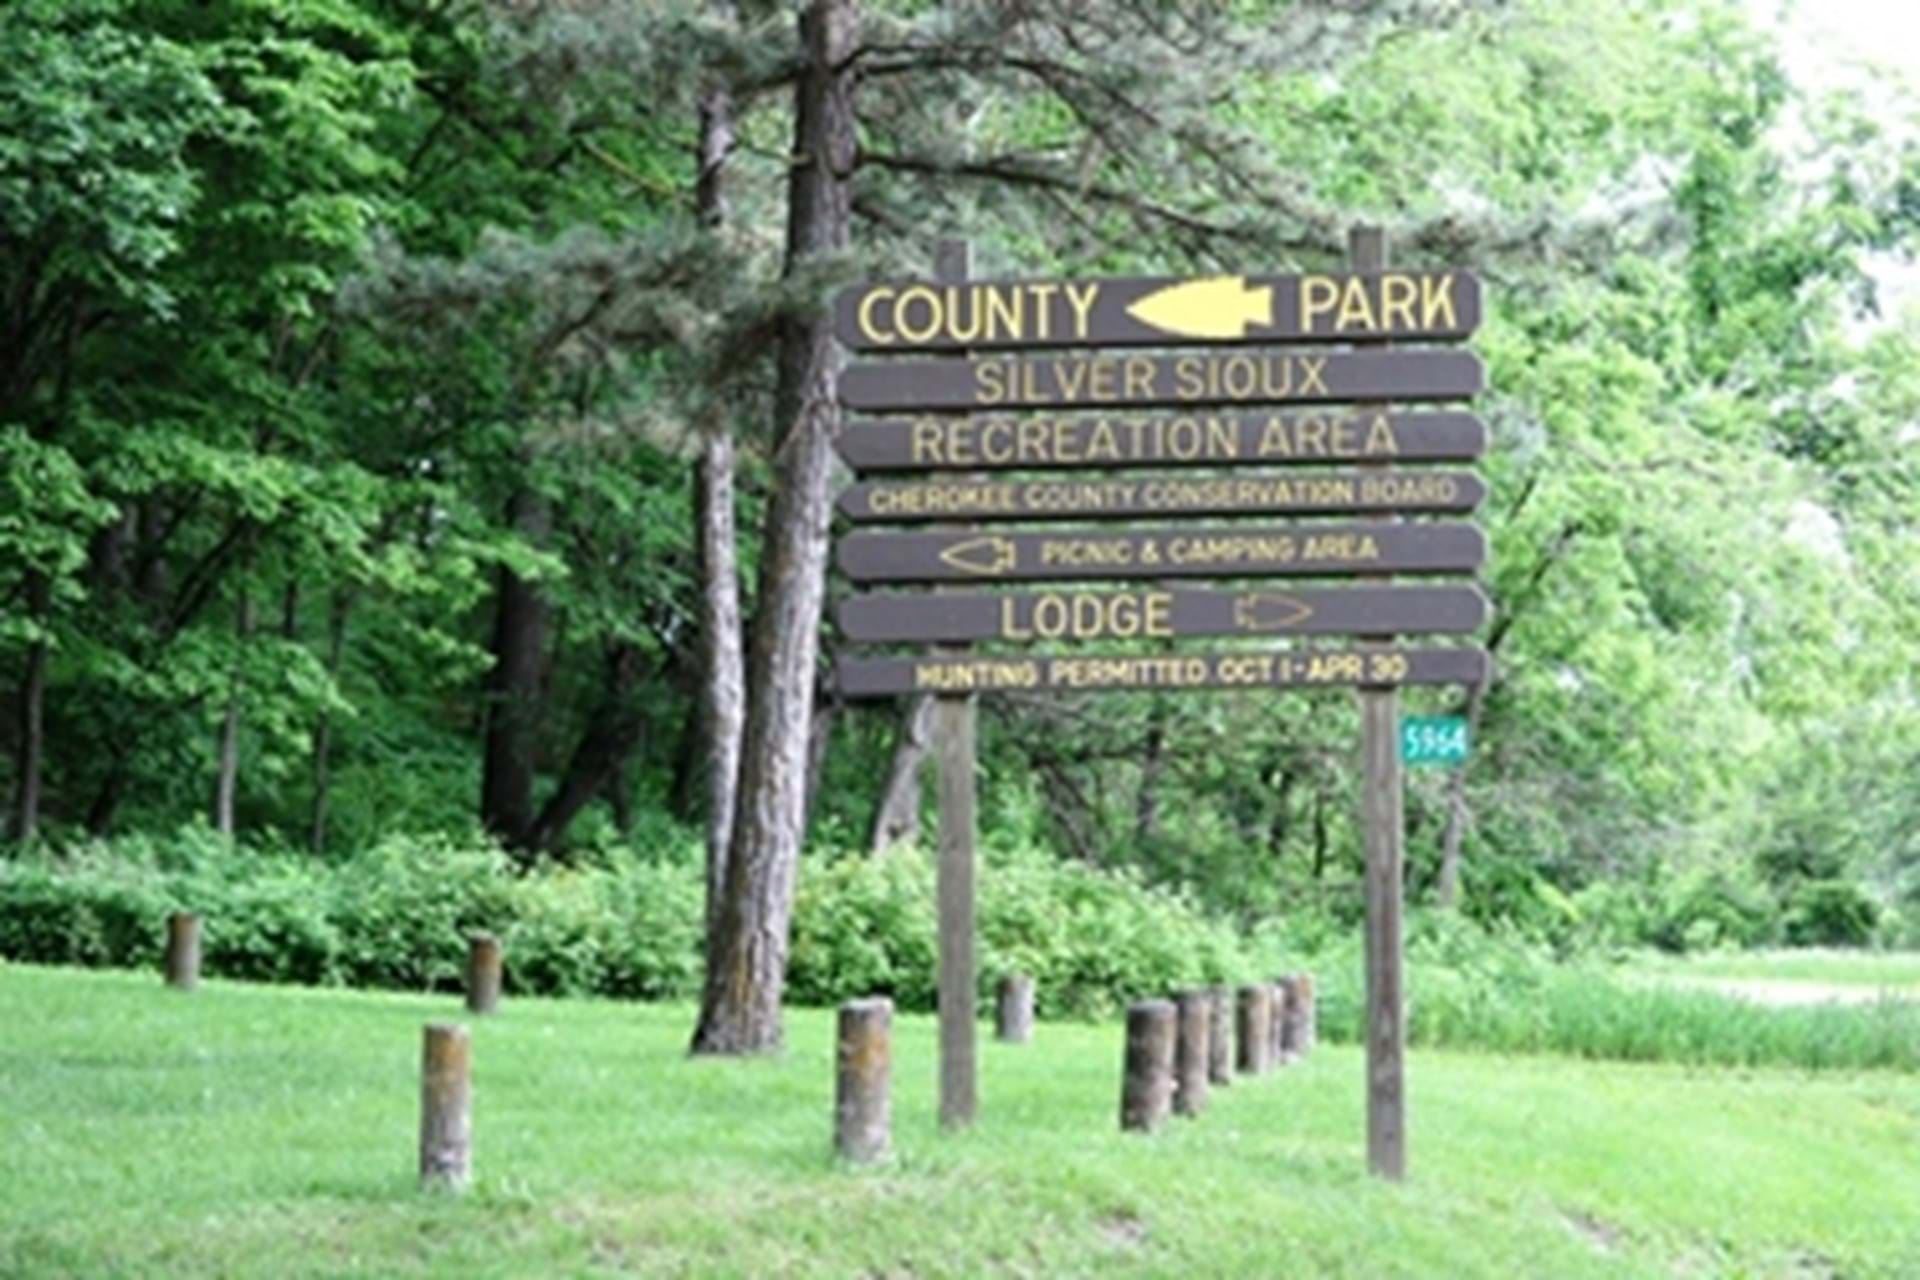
(415, 459)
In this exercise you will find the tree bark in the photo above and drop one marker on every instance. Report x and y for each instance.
(747, 953)
(896, 818)
(31, 759)
(513, 687)
(826, 715)
(613, 730)
(227, 784)
(337, 614)
(723, 693)
(1153, 764)
(722, 668)
(1455, 832)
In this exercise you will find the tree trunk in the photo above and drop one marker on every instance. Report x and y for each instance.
(227, 784)
(722, 674)
(33, 730)
(1455, 834)
(896, 819)
(747, 953)
(612, 732)
(723, 694)
(513, 687)
(323, 727)
(826, 714)
(1153, 764)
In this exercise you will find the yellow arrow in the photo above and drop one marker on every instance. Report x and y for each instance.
(1211, 307)
(1257, 612)
(980, 555)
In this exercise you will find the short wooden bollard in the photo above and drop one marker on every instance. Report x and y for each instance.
(1254, 1008)
(1309, 1015)
(483, 973)
(863, 1084)
(1286, 1020)
(1191, 1050)
(1293, 1039)
(1276, 1023)
(1220, 1036)
(183, 950)
(446, 1107)
(1146, 1086)
(1013, 1020)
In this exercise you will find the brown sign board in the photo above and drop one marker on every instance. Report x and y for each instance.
(1148, 613)
(909, 315)
(1234, 551)
(1194, 439)
(1160, 496)
(1095, 380)
(859, 677)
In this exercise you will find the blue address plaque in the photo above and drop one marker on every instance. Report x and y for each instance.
(1433, 740)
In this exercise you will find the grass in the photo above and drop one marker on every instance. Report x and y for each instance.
(250, 1130)
(1829, 966)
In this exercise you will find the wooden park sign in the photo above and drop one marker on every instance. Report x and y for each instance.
(1234, 551)
(1080, 380)
(1158, 614)
(1159, 496)
(912, 315)
(1190, 438)
(1083, 672)
(1174, 398)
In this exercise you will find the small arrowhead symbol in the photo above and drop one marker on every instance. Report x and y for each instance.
(1211, 307)
(1258, 612)
(988, 555)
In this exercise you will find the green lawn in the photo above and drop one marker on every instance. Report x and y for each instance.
(270, 1131)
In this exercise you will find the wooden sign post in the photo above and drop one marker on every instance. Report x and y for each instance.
(1383, 833)
(953, 736)
(1172, 400)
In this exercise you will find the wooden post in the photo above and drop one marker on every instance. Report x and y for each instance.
(1013, 1022)
(1290, 1018)
(953, 726)
(183, 950)
(1309, 1014)
(1191, 1048)
(863, 1083)
(446, 1107)
(1220, 1037)
(1251, 1030)
(483, 973)
(1382, 828)
(1277, 1024)
(1146, 1086)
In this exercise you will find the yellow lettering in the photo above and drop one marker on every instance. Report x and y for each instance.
(1082, 304)
(867, 326)
(1317, 294)
(996, 441)
(1356, 309)
(926, 441)
(989, 381)
(1043, 307)
(925, 296)
(1187, 375)
(1004, 314)
(1436, 302)
(1398, 294)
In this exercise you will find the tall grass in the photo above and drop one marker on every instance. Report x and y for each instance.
(1466, 990)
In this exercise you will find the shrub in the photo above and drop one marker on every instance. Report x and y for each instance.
(1830, 913)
